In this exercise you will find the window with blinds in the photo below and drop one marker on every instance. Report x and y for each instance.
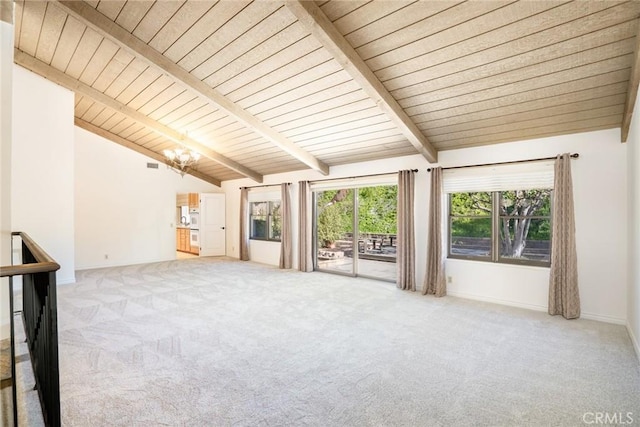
(265, 219)
(500, 213)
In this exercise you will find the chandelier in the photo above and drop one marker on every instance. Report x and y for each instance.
(181, 161)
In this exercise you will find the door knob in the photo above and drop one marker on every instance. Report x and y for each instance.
(222, 228)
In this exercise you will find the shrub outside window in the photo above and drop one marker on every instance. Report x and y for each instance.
(266, 221)
(470, 225)
(502, 226)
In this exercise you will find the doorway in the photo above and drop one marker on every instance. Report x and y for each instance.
(355, 231)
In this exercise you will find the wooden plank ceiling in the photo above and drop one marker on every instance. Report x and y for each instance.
(266, 87)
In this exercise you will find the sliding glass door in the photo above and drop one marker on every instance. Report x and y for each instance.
(334, 214)
(377, 238)
(355, 231)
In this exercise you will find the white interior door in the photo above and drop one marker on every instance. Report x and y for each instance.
(212, 224)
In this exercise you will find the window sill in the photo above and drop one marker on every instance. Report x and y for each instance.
(498, 264)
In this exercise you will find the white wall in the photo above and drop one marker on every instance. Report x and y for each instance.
(42, 167)
(633, 296)
(599, 178)
(600, 197)
(123, 209)
(6, 68)
(82, 197)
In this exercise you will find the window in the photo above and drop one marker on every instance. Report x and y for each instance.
(501, 226)
(266, 220)
(470, 225)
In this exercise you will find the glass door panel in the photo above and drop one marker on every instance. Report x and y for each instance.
(334, 225)
(377, 228)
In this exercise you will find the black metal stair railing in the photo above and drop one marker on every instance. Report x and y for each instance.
(39, 314)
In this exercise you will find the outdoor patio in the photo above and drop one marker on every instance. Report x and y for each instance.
(376, 256)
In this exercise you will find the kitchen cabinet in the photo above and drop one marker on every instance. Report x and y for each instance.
(182, 240)
(194, 200)
(184, 243)
(182, 199)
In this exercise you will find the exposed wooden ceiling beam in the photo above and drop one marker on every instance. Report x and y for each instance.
(135, 147)
(310, 15)
(632, 90)
(57, 76)
(127, 41)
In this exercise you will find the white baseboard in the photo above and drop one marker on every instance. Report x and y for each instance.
(111, 264)
(603, 318)
(536, 307)
(465, 295)
(634, 341)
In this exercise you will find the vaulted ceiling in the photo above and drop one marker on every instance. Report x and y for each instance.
(273, 86)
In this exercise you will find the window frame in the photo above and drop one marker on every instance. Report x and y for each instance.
(450, 217)
(495, 255)
(268, 218)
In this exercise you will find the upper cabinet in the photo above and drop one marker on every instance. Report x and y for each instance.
(194, 200)
(182, 199)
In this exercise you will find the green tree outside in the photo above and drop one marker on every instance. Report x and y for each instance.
(471, 217)
(377, 210)
(334, 209)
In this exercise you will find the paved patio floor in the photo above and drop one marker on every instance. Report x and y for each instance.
(370, 268)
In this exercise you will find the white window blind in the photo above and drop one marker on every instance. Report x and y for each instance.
(266, 195)
(359, 182)
(515, 176)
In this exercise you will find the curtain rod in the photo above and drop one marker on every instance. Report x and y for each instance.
(361, 176)
(573, 156)
(266, 185)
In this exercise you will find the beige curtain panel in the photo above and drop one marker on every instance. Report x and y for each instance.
(564, 297)
(286, 253)
(305, 256)
(244, 224)
(406, 241)
(435, 283)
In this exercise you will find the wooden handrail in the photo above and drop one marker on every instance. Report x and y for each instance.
(44, 263)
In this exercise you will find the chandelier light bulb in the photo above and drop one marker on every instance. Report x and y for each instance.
(169, 154)
(180, 160)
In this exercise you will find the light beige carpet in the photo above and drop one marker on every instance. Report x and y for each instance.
(215, 342)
